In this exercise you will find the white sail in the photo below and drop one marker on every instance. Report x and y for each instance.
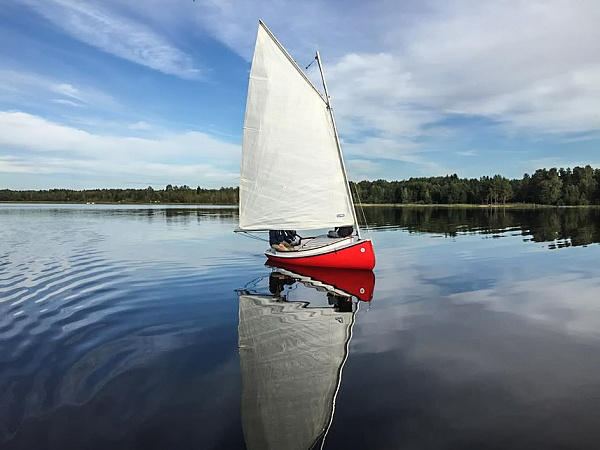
(292, 174)
(291, 360)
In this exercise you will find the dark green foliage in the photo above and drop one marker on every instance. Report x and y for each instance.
(171, 194)
(437, 190)
(580, 186)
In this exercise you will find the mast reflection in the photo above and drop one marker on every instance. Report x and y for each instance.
(293, 344)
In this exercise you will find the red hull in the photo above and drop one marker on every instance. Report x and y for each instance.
(357, 282)
(359, 255)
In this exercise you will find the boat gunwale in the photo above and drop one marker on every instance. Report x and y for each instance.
(293, 254)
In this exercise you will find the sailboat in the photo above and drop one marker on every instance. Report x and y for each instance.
(293, 175)
(292, 354)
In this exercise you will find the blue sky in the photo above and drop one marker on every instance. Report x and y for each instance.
(134, 94)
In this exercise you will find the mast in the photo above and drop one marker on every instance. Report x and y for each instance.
(337, 142)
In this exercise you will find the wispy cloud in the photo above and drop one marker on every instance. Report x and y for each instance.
(32, 88)
(468, 153)
(140, 126)
(61, 101)
(104, 28)
(67, 90)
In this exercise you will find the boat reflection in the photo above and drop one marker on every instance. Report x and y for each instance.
(293, 344)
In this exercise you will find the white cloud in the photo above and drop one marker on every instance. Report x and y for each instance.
(66, 89)
(551, 303)
(531, 66)
(394, 152)
(468, 153)
(399, 73)
(394, 68)
(362, 169)
(31, 144)
(30, 88)
(61, 101)
(142, 173)
(141, 125)
(104, 28)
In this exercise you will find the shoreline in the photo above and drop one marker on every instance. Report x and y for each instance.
(365, 205)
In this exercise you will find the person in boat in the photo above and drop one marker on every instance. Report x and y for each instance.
(340, 232)
(283, 240)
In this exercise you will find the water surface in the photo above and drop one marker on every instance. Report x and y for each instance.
(120, 328)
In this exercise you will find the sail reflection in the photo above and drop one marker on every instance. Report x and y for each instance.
(292, 348)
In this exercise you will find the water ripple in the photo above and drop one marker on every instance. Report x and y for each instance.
(90, 303)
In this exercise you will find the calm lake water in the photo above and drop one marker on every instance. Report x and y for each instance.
(158, 327)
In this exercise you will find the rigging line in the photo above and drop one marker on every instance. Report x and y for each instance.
(249, 284)
(311, 63)
(361, 209)
(251, 236)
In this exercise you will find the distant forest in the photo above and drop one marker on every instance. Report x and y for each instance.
(579, 186)
(171, 194)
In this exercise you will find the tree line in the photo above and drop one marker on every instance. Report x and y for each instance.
(577, 186)
(171, 194)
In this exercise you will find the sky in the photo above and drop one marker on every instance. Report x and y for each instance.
(125, 94)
